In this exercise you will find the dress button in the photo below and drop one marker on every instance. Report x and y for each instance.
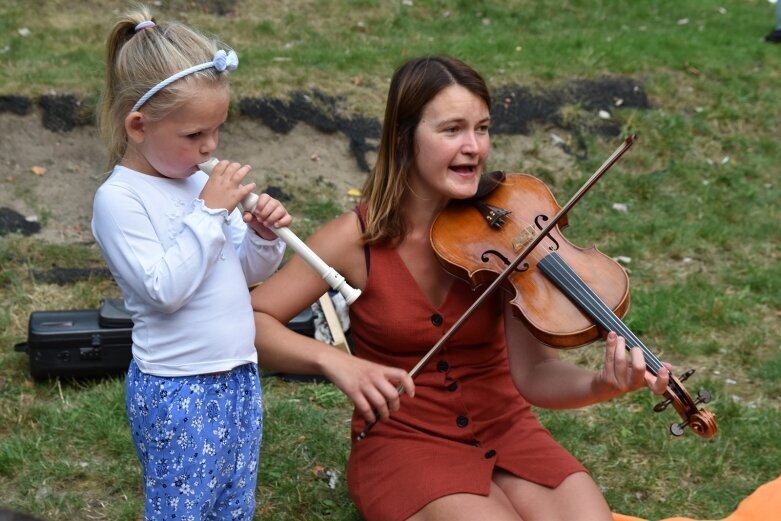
(442, 366)
(462, 421)
(436, 319)
(452, 387)
(490, 454)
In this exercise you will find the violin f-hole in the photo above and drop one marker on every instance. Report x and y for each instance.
(485, 258)
(537, 222)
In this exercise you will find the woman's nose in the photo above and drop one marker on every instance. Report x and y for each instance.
(470, 143)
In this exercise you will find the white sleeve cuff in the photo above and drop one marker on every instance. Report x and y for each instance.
(200, 206)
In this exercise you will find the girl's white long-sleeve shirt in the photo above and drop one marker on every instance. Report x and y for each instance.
(183, 270)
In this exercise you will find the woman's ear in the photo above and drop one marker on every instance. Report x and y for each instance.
(134, 126)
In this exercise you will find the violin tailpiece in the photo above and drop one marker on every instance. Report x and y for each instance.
(492, 214)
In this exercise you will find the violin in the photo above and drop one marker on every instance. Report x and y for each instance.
(567, 296)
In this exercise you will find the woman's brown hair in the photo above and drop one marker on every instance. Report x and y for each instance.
(412, 87)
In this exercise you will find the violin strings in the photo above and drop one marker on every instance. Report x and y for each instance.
(561, 273)
(567, 279)
(596, 306)
(597, 309)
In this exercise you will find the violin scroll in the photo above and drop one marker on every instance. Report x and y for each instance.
(701, 421)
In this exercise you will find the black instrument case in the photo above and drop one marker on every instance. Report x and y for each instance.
(94, 342)
(76, 343)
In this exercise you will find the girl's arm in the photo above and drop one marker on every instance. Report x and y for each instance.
(372, 387)
(259, 257)
(163, 276)
(547, 381)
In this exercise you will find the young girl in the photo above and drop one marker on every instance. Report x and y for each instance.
(468, 445)
(183, 257)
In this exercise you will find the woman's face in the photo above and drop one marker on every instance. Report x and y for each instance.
(451, 145)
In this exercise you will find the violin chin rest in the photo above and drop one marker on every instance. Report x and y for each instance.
(488, 183)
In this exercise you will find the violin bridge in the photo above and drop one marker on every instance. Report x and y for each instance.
(524, 237)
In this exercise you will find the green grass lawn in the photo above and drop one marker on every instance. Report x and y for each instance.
(701, 186)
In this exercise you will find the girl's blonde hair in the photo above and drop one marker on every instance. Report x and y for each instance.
(136, 61)
(412, 87)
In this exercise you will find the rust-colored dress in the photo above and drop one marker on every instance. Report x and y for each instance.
(466, 417)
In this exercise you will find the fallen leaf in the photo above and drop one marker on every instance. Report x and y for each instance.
(39, 170)
(620, 207)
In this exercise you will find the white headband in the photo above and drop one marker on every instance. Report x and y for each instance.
(222, 61)
(144, 25)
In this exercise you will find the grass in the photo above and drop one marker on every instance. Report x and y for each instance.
(701, 188)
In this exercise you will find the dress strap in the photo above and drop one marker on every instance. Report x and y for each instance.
(359, 212)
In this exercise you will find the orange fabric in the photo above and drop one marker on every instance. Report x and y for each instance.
(763, 505)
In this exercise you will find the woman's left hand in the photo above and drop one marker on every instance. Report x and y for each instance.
(625, 371)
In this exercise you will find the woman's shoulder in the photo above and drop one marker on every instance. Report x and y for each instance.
(339, 243)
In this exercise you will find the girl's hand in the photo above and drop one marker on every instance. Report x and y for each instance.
(372, 387)
(267, 215)
(223, 188)
(624, 374)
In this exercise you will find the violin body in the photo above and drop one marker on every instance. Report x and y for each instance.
(482, 252)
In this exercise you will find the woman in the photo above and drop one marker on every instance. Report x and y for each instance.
(462, 443)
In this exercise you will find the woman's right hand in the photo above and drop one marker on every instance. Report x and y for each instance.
(372, 387)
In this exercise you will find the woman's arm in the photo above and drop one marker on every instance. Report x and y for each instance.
(547, 381)
(372, 387)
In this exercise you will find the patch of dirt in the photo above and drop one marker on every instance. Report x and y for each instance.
(61, 198)
(52, 159)
(57, 205)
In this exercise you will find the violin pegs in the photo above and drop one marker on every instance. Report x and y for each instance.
(676, 429)
(685, 376)
(659, 407)
(703, 396)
